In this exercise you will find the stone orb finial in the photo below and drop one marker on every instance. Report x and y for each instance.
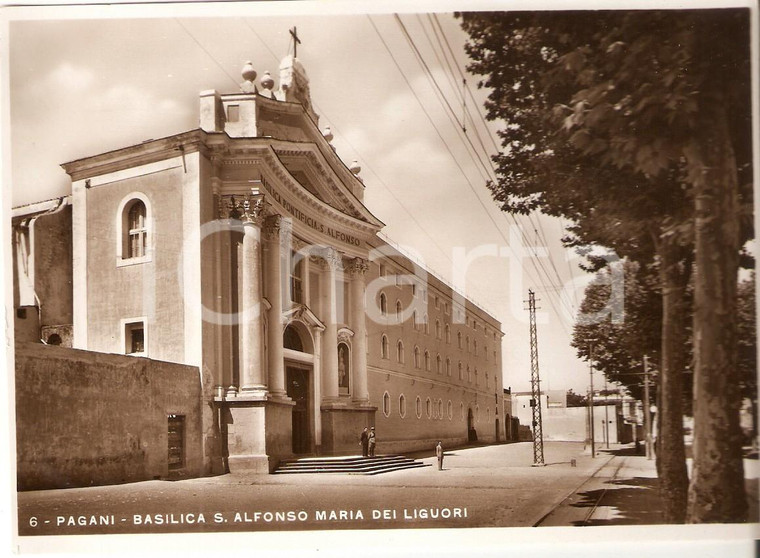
(355, 168)
(327, 133)
(266, 81)
(249, 74)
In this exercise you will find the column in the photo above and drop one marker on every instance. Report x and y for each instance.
(357, 268)
(330, 336)
(252, 377)
(275, 228)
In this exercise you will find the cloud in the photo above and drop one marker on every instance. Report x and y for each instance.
(68, 77)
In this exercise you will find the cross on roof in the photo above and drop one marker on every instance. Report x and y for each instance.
(296, 41)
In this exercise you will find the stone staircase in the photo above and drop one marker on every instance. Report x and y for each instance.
(352, 465)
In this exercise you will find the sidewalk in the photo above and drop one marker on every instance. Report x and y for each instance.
(624, 491)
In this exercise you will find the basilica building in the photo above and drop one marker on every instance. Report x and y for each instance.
(244, 248)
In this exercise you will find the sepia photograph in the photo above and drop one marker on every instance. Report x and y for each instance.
(324, 278)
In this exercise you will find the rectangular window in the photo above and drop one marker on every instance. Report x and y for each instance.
(134, 338)
(296, 278)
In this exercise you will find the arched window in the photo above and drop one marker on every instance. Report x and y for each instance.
(414, 320)
(133, 229)
(137, 230)
(398, 310)
(400, 352)
(416, 357)
(418, 407)
(459, 339)
(467, 343)
(469, 374)
(475, 347)
(450, 410)
(448, 367)
(429, 407)
(460, 370)
(386, 404)
(426, 324)
(384, 347)
(448, 334)
(291, 339)
(402, 405)
(427, 360)
(437, 329)
(383, 304)
(438, 364)
(476, 376)
(440, 408)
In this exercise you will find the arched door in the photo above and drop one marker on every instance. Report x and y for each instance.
(472, 435)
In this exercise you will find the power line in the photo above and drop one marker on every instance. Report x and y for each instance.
(197, 42)
(488, 169)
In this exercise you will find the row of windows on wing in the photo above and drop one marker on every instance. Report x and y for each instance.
(433, 409)
(437, 303)
(418, 357)
(462, 342)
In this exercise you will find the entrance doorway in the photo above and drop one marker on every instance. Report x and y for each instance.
(298, 391)
(472, 435)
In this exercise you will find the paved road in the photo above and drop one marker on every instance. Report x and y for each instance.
(494, 486)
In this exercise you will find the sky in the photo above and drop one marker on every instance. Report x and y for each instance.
(82, 86)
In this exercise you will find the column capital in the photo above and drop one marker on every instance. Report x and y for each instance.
(357, 267)
(272, 225)
(331, 258)
(249, 208)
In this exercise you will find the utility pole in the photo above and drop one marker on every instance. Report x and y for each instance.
(606, 416)
(647, 418)
(535, 384)
(591, 397)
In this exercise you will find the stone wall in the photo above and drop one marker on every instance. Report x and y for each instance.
(85, 418)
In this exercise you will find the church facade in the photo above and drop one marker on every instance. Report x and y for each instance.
(244, 248)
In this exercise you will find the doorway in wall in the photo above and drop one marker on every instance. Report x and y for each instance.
(298, 390)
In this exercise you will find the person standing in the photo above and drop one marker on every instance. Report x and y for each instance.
(364, 442)
(372, 441)
(439, 455)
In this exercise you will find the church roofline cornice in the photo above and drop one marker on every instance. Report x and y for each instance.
(140, 154)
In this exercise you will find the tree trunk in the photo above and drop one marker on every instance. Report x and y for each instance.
(671, 455)
(716, 492)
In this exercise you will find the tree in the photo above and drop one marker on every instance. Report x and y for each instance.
(575, 399)
(616, 348)
(611, 124)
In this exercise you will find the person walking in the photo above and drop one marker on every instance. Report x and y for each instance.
(372, 441)
(439, 455)
(364, 442)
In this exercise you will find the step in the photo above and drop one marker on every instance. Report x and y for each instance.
(349, 465)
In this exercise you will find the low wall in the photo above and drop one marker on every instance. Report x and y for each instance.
(85, 418)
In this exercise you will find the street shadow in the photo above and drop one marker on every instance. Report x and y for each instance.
(624, 451)
(636, 501)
